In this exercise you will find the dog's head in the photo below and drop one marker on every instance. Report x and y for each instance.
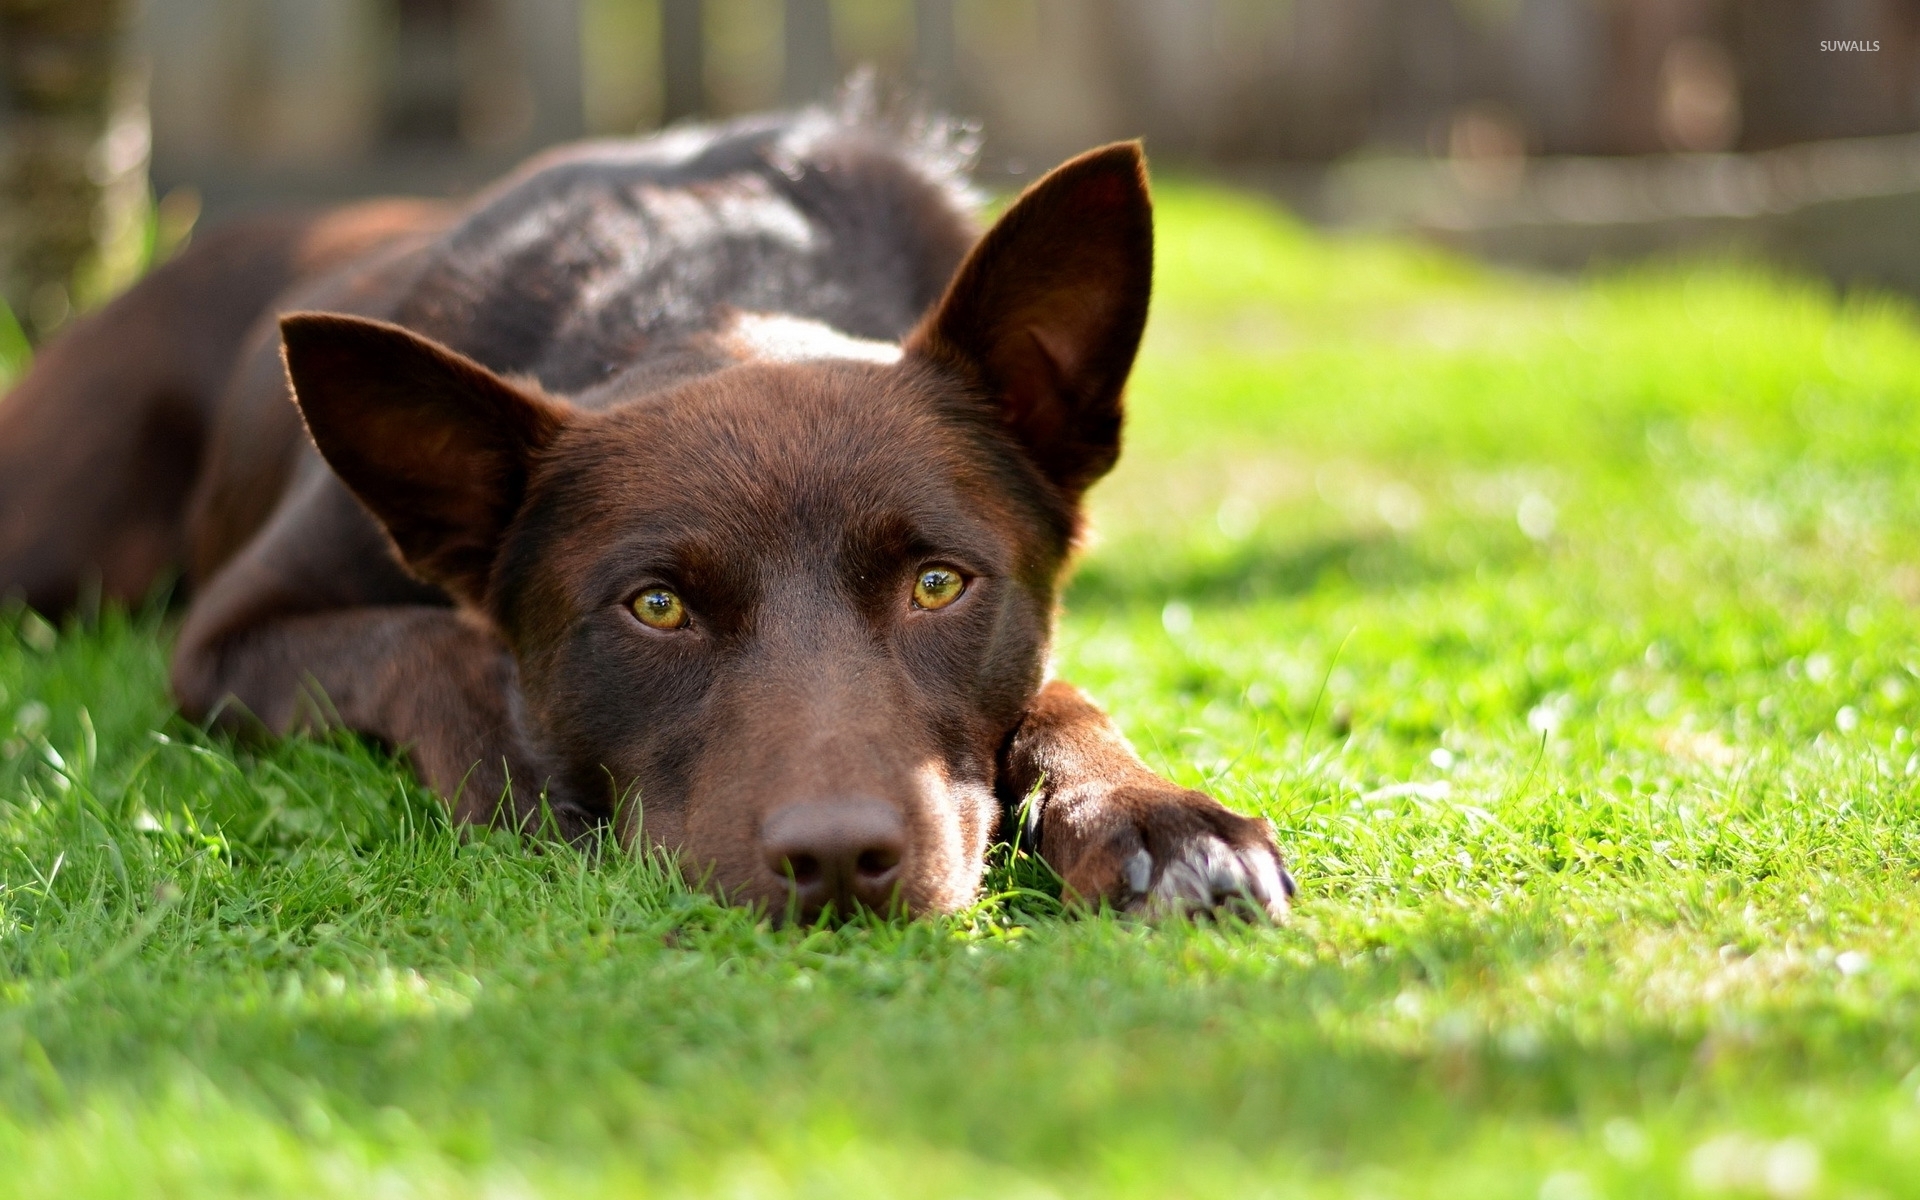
(794, 607)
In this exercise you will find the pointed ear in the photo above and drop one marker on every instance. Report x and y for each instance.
(435, 445)
(1047, 311)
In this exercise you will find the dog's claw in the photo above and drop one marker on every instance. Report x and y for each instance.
(1210, 876)
(1180, 854)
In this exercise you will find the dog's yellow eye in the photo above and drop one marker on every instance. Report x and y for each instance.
(659, 608)
(937, 587)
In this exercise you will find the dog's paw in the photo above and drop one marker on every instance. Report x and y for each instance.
(1172, 852)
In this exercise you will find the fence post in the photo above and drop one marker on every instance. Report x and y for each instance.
(549, 34)
(683, 65)
(936, 60)
(810, 67)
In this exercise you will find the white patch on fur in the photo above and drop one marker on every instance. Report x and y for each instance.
(778, 338)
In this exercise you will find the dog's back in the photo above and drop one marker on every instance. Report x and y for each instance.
(594, 258)
(592, 263)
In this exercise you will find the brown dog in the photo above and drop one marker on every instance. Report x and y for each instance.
(727, 471)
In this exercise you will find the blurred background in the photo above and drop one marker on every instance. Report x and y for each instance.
(1542, 132)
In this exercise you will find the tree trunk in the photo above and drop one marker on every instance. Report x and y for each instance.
(73, 155)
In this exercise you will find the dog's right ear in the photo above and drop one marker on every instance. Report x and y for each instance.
(436, 446)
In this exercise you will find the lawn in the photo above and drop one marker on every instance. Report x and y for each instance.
(1566, 631)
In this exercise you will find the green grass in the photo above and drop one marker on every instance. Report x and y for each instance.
(1566, 632)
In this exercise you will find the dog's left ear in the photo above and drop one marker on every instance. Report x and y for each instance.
(1047, 311)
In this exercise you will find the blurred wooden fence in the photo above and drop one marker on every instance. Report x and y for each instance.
(322, 86)
(266, 101)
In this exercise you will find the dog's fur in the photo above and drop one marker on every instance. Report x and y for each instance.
(767, 365)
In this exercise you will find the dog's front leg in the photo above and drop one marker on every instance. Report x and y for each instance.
(429, 681)
(1117, 832)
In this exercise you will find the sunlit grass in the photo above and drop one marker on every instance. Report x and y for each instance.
(1566, 632)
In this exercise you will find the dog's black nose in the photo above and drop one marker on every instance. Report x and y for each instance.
(837, 852)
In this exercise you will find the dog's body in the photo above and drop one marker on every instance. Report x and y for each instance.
(712, 470)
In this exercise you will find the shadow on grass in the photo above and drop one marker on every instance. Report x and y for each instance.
(1123, 576)
(601, 1016)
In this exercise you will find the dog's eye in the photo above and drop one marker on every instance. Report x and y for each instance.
(659, 608)
(938, 587)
